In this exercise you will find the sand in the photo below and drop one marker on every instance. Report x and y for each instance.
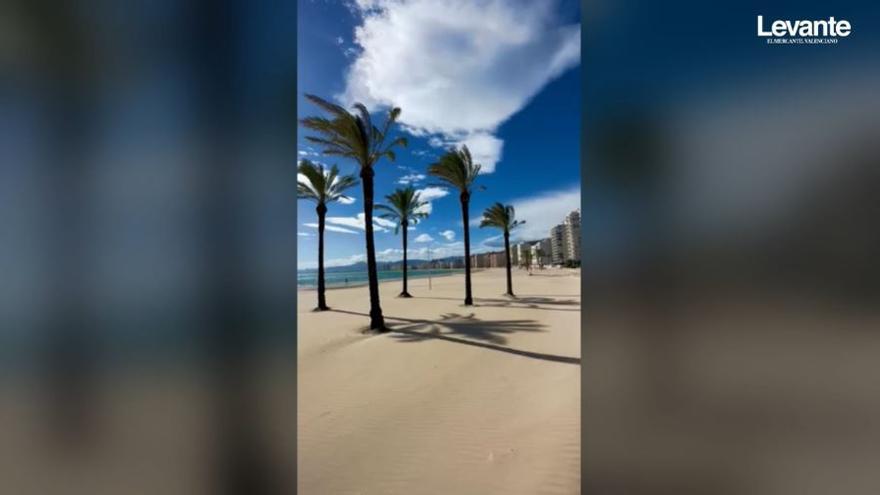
(456, 400)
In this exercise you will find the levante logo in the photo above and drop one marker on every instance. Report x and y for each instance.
(804, 32)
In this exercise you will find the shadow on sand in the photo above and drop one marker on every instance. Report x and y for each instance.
(528, 302)
(485, 334)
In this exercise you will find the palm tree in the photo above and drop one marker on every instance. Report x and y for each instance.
(354, 136)
(456, 168)
(504, 218)
(406, 208)
(318, 184)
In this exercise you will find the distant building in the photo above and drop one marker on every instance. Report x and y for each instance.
(557, 245)
(565, 240)
(520, 252)
(572, 236)
(480, 260)
(540, 252)
(497, 259)
(546, 250)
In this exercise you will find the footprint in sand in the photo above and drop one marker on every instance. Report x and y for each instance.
(501, 455)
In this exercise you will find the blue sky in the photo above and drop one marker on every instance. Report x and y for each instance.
(502, 76)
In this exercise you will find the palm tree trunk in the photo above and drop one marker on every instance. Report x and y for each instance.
(465, 218)
(507, 255)
(377, 322)
(405, 293)
(322, 302)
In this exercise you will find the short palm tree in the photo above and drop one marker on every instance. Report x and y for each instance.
(504, 218)
(354, 136)
(323, 186)
(456, 168)
(406, 208)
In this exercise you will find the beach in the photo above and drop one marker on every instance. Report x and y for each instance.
(466, 400)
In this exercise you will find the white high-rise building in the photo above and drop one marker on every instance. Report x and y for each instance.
(572, 236)
(541, 253)
(519, 251)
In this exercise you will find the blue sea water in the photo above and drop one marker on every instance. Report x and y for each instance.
(309, 279)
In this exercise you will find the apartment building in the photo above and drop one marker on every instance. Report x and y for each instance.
(557, 245)
(572, 236)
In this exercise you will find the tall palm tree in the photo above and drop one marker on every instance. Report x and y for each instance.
(406, 208)
(318, 184)
(354, 136)
(456, 168)
(504, 218)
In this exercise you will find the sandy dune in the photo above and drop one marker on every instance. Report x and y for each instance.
(457, 400)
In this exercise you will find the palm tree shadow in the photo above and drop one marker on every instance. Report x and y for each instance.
(467, 326)
(469, 330)
(532, 302)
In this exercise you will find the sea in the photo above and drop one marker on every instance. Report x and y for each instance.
(309, 279)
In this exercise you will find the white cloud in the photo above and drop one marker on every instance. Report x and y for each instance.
(431, 193)
(438, 143)
(331, 228)
(305, 234)
(347, 200)
(490, 243)
(357, 222)
(443, 250)
(339, 40)
(543, 212)
(448, 234)
(425, 208)
(470, 65)
(411, 178)
(380, 221)
(428, 194)
(424, 238)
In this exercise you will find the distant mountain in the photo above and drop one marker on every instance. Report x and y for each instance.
(361, 266)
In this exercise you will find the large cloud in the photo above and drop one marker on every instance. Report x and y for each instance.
(458, 68)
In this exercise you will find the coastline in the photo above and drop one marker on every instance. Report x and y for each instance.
(412, 275)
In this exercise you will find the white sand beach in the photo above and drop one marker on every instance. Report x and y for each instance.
(456, 400)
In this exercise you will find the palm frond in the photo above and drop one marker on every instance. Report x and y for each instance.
(404, 205)
(326, 105)
(352, 135)
(500, 216)
(320, 184)
(456, 168)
